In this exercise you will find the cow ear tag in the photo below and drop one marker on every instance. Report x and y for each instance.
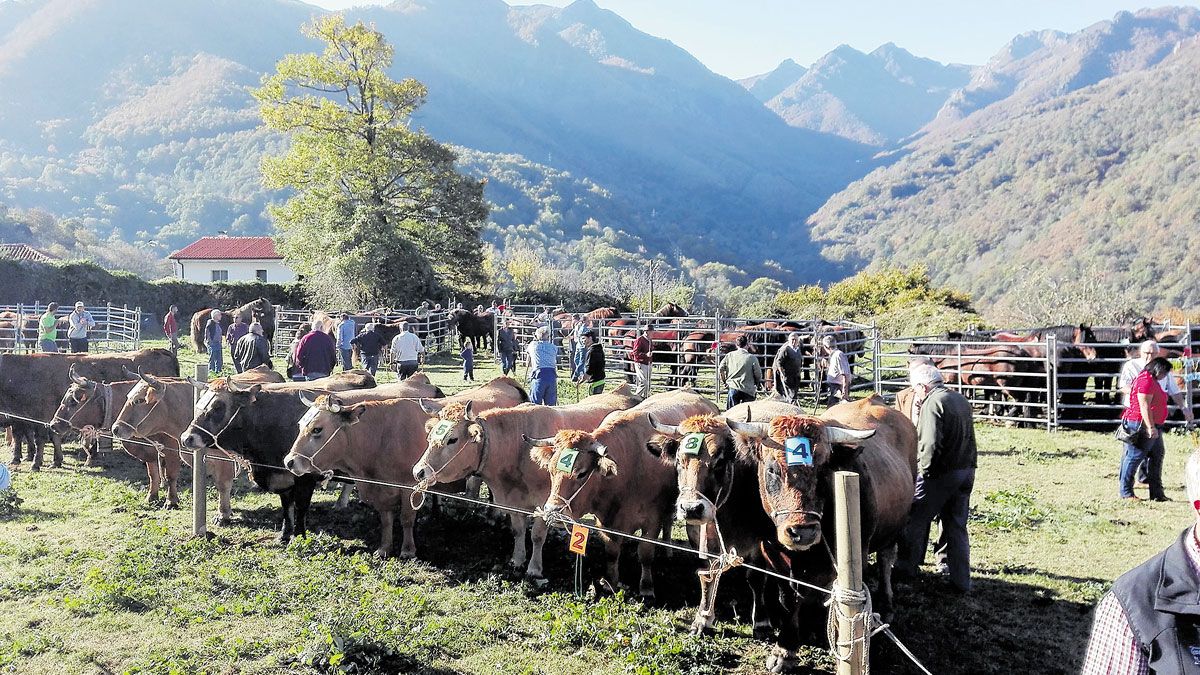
(691, 444)
(202, 404)
(440, 430)
(566, 461)
(308, 417)
(799, 451)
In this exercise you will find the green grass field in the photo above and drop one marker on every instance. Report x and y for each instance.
(94, 581)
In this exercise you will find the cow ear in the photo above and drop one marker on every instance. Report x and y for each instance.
(844, 453)
(475, 432)
(606, 466)
(354, 413)
(252, 392)
(542, 455)
(664, 448)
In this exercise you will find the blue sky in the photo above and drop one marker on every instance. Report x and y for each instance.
(738, 38)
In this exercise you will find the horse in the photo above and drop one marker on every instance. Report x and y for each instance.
(476, 327)
(260, 310)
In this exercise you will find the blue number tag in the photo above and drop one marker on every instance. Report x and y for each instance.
(566, 461)
(692, 443)
(799, 451)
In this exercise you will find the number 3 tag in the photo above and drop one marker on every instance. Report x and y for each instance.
(692, 443)
(440, 430)
(799, 451)
(579, 537)
(566, 461)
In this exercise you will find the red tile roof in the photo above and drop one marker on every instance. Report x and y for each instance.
(24, 252)
(228, 248)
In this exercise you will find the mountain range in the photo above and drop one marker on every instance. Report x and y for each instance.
(132, 118)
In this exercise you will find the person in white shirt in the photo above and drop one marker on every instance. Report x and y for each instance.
(837, 372)
(1147, 351)
(406, 352)
(80, 322)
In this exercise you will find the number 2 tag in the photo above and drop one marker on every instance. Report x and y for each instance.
(566, 461)
(692, 443)
(440, 430)
(579, 537)
(799, 451)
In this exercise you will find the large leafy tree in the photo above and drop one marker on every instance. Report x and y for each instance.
(379, 212)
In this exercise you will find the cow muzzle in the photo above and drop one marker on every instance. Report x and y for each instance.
(693, 511)
(799, 536)
(192, 440)
(299, 465)
(60, 426)
(424, 472)
(123, 431)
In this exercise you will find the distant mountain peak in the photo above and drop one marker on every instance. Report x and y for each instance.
(769, 85)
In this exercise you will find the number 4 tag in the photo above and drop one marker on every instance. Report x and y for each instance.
(566, 461)
(579, 537)
(799, 451)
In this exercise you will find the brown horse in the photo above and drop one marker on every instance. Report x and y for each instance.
(260, 310)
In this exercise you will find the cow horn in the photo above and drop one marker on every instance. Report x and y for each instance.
(539, 442)
(468, 415)
(664, 429)
(81, 381)
(150, 380)
(429, 410)
(128, 373)
(749, 429)
(308, 402)
(847, 436)
(202, 386)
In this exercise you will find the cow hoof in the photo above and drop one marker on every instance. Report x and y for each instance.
(763, 632)
(171, 506)
(37, 467)
(220, 520)
(781, 660)
(647, 598)
(56, 465)
(538, 582)
(699, 627)
(407, 555)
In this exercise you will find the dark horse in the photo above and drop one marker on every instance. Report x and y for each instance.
(1116, 344)
(477, 327)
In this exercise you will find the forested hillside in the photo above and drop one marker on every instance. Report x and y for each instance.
(1099, 187)
(147, 130)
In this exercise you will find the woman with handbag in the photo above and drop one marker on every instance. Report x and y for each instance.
(1141, 430)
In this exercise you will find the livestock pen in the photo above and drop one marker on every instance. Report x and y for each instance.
(118, 329)
(433, 328)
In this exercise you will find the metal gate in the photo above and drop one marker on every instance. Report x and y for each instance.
(118, 329)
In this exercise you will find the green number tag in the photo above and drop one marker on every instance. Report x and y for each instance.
(566, 461)
(440, 430)
(692, 443)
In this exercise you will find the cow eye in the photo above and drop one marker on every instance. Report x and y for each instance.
(452, 440)
(316, 431)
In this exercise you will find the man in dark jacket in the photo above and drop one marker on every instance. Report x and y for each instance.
(788, 368)
(506, 347)
(369, 343)
(1150, 620)
(593, 368)
(252, 350)
(316, 355)
(946, 461)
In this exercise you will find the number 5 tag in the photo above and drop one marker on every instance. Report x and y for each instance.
(691, 444)
(579, 537)
(566, 461)
(440, 430)
(799, 451)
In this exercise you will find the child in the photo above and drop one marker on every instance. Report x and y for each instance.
(468, 357)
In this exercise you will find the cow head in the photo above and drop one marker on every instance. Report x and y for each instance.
(454, 443)
(703, 449)
(142, 415)
(796, 456)
(322, 441)
(572, 458)
(74, 401)
(220, 402)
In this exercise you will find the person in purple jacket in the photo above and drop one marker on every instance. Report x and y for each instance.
(316, 354)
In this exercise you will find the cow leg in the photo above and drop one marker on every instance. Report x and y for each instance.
(760, 614)
(287, 502)
(783, 655)
(37, 450)
(344, 498)
(517, 521)
(387, 521)
(612, 579)
(14, 440)
(223, 472)
(704, 620)
(170, 461)
(473, 485)
(304, 492)
(58, 452)
(154, 476)
(538, 535)
(646, 552)
(408, 518)
(886, 606)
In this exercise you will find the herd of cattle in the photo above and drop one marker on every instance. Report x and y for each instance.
(756, 477)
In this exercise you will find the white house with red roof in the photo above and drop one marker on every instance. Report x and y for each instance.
(224, 258)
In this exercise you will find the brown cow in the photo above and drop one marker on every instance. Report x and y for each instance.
(260, 310)
(31, 385)
(99, 405)
(719, 493)
(640, 497)
(381, 440)
(867, 437)
(493, 447)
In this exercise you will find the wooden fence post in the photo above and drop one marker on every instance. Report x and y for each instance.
(849, 576)
(199, 475)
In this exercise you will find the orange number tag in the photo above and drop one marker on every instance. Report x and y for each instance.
(579, 537)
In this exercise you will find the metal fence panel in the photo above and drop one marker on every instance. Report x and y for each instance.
(117, 329)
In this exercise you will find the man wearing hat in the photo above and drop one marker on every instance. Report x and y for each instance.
(80, 322)
(543, 372)
(212, 340)
(593, 362)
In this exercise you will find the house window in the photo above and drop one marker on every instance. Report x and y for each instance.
(220, 275)
(261, 275)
